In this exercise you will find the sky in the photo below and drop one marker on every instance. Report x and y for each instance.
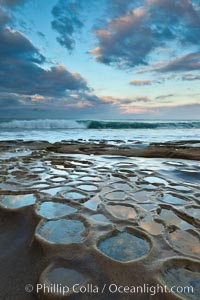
(105, 59)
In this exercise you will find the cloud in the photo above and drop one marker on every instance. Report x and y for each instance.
(136, 110)
(27, 86)
(70, 16)
(129, 39)
(119, 7)
(120, 43)
(128, 32)
(190, 77)
(66, 21)
(14, 45)
(184, 63)
(141, 82)
(192, 111)
(125, 101)
(21, 69)
(76, 104)
(29, 89)
(164, 97)
(143, 99)
(79, 104)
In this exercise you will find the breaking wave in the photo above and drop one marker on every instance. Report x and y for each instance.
(93, 124)
(41, 124)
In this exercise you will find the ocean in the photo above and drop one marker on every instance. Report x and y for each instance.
(110, 130)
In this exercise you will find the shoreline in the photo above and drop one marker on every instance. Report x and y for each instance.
(89, 213)
(174, 149)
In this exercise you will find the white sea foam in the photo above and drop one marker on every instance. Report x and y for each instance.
(42, 124)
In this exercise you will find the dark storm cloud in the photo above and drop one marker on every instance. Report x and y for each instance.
(21, 69)
(184, 63)
(127, 40)
(73, 104)
(15, 46)
(30, 79)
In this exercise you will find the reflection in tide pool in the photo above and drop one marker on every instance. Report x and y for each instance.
(148, 206)
(53, 191)
(194, 212)
(74, 195)
(100, 218)
(122, 212)
(151, 226)
(61, 231)
(177, 276)
(142, 196)
(117, 206)
(155, 180)
(115, 196)
(9, 201)
(171, 218)
(93, 203)
(181, 188)
(185, 242)
(88, 187)
(50, 210)
(65, 277)
(169, 198)
(124, 246)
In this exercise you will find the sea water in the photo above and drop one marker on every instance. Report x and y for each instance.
(111, 130)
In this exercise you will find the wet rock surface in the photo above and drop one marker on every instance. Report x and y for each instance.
(102, 216)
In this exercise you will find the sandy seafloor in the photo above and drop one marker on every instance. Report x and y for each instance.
(95, 214)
